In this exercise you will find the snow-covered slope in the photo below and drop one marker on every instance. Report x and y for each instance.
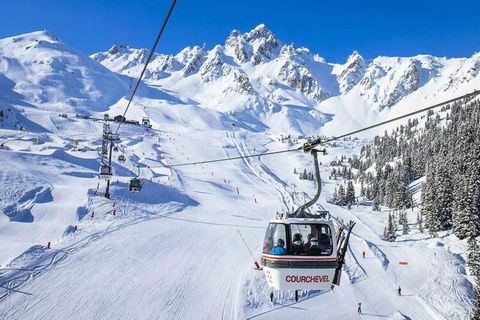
(172, 251)
(39, 71)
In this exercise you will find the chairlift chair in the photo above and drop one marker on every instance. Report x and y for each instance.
(301, 250)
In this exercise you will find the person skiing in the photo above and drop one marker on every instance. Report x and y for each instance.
(359, 308)
(363, 254)
(399, 290)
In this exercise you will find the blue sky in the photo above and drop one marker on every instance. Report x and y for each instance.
(331, 28)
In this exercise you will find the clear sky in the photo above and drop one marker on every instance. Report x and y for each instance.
(331, 28)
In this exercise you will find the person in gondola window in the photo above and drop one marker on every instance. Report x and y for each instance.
(324, 243)
(279, 249)
(298, 246)
(267, 245)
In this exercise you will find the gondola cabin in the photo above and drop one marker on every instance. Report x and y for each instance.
(105, 172)
(300, 254)
(135, 185)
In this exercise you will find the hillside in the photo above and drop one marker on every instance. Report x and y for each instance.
(174, 250)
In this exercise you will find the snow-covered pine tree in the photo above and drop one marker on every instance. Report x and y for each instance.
(350, 194)
(335, 196)
(392, 229)
(420, 222)
(394, 222)
(341, 195)
(475, 315)
(443, 195)
(428, 202)
(405, 227)
(473, 257)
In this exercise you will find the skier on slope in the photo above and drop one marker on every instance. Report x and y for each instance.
(399, 290)
(363, 253)
(359, 308)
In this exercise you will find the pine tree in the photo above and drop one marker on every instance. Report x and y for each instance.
(467, 199)
(420, 222)
(350, 195)
(476, 302)
(394, 223)
(391, 229)
(335, 196)
(473, 257)
(474, 265)
(341, 195)
(428, 202)
(362, 189)
(405, 227)
(443, 196)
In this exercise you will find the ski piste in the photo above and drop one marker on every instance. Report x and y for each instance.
(171, 250)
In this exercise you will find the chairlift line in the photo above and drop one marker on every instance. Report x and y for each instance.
(150, 54)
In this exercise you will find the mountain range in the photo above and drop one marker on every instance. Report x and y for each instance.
(254, 79)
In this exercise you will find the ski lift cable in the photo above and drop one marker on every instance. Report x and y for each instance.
(150, 54)
(310, 145)
(468, 95)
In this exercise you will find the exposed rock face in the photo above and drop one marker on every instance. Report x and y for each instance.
(214, 68)
(193, 60)
(352, 72)
(299, 78)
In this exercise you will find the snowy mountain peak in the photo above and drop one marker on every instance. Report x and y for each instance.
(192, 58)
(288, 51)
(237, 47)
(264, 43)
(44, 72)
(42, 35)
(259, 32)
(354, 56)
(351, 72)
(118, 48)
(257, 63)
(233, 78)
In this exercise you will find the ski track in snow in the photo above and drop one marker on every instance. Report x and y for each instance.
(173, 250)
(214, 283)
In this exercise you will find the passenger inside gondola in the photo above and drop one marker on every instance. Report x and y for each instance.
(324, 244)
(275, 239)
(312, 247)
(279, 248)
(319, 240)
(267, 245)
(298, 246)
